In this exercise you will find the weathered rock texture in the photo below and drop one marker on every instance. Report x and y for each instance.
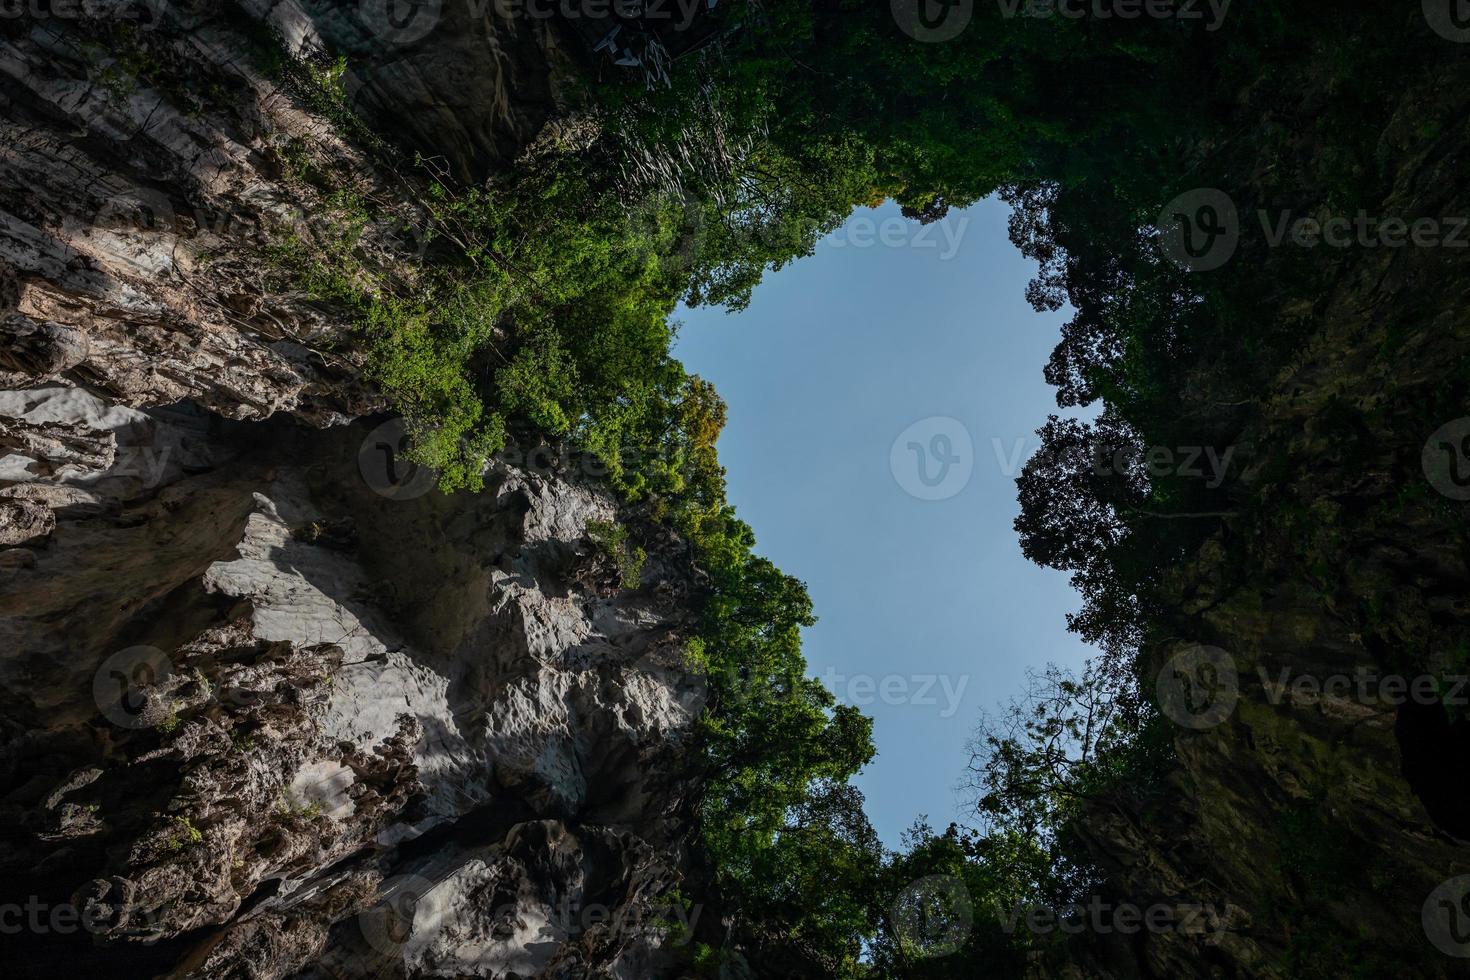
(269, 705)
(152, 153)
(249, 699)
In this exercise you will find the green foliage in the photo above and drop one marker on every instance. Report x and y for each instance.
(290, 806)
(1034, 765)
(541, 302)
(186, 834)
(205, 688)
(612, 540)
(1312, 849)
(986, 877)
(785, 832)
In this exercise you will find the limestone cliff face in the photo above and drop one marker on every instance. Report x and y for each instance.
(256, 693)
(146, 151)
(270, 705)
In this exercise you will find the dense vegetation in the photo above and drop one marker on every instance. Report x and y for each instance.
(542, 304)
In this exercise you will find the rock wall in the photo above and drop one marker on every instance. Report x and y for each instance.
(1316, 808)
(154, 152)
(256, 691)
(270, 705)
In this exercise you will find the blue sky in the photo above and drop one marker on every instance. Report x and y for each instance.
(855, 380)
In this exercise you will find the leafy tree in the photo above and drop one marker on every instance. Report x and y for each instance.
(1029, 766)
(816, 882)
(947, 901)
(1078, 493)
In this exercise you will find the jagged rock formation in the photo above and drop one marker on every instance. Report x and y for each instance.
(245, 688)
(132, 219)
(269, 704)
(147, 151)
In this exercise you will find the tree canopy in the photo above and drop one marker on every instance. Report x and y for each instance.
(545, 304)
